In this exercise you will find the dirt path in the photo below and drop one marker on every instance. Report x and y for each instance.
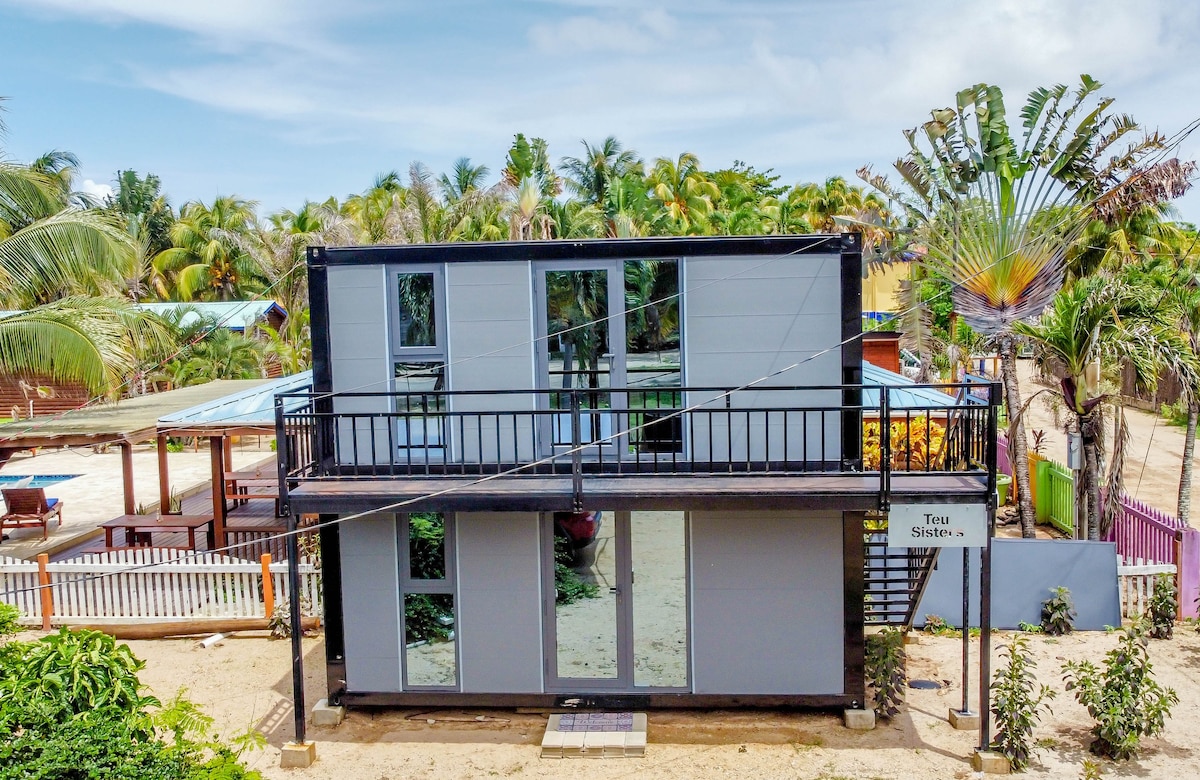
(1153, 456)
(245, 683)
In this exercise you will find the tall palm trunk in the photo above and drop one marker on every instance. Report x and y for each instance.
(1185, 472)
(1018, 447)
(1091, 474)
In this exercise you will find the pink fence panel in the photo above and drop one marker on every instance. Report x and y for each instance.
(1148, 534)
(1002, 463)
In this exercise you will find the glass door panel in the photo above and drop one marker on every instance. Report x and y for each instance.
(587, 596)
(659, 599)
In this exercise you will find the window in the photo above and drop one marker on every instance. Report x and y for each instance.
(427, 591)
(417, 295)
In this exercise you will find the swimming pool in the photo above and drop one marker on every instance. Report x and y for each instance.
(39, 480)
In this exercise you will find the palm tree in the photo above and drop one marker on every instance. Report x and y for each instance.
(684, 192)
(463, 180)
(1095, 322)
(80, 339)
(997, 213)
(589, 177)
(209, 260)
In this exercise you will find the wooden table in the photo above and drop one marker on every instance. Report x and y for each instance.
(138, 528)
(242, 486)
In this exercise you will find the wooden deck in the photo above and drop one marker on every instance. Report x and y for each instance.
(246, 523)
(634, 492)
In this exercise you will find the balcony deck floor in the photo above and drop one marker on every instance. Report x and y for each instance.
(635, 492)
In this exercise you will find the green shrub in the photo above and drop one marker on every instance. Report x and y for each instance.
(569, 587)
(1058, 612)
(71, 707)
(9, 615)
(885, 666)
(1017, 703)
(1123, 698)
(1163, 609)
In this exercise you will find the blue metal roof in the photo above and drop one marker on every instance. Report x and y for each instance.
(903, 393)
(255, 406)
(234, 315)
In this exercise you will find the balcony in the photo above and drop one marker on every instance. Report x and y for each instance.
(544, 442)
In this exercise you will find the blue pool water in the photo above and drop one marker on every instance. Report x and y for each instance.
(40, 480)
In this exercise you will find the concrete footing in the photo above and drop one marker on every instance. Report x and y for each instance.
(859, 720)
(989, 763)
(298, 755)
(964, 721)
(326, 714)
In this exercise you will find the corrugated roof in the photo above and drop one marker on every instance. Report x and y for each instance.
(902, 391)
(134, 419)
(253, 406)
(234, 315)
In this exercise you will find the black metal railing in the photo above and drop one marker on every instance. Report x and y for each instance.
(695, 430)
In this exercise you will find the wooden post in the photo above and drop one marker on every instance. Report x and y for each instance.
(268, 585)
(164, 477)
(227, 451)
(47, 597)
(216, 451)
(127, 476)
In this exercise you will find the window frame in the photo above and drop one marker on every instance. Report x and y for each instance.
(408, 585)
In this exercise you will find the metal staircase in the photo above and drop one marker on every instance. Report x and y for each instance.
(894, 581)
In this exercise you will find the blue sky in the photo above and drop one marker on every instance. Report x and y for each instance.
(280, 101)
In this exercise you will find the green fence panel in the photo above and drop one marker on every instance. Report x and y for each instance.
(1060, 497)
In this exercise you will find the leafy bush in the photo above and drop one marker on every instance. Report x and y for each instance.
(885, 666)
(1017, 703)
(1124, 699)
(916, 444)
(71, 707)
(1058, 612)
(9, 615)
(937, 625)
(1162, 610)
(569, 587)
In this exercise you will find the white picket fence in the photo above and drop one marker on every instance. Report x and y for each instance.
(149, 586)
(1135, 579)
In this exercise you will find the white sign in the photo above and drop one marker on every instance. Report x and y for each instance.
(937, 525)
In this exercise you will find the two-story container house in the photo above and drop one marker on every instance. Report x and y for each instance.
(605, 473)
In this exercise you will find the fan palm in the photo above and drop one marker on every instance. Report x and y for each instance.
(998, 215)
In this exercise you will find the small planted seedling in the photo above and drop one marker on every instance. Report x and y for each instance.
(885, 666)
(1163, 609)
(1017, 703)
(1123, 697)
(1058, 612)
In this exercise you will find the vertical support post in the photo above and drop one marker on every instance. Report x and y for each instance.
(127, 476)
(966, 630)
(268, 585)
(43, 560)
(885, 451)
(576, 454)
(164, 476)
(293, 552)
(283, 458)
(216, 453)
(985, 574)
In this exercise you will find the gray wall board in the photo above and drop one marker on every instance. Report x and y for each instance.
(499, 602)
(359, 349)
(371, 603)
(1023, 572)
(767, 603)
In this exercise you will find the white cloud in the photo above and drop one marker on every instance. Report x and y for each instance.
(97, 191)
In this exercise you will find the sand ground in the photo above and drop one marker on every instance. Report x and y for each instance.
(246, 683)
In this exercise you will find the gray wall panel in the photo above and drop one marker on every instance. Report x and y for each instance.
(746, 318)
(490, 308)
(358, 336)
(499, 602)
(767, 602)
(371, 603)
(1023, 572)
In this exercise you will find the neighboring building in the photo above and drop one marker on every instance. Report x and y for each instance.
(238, 316)
(482, 402)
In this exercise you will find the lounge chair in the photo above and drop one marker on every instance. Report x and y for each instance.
(29, 508)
